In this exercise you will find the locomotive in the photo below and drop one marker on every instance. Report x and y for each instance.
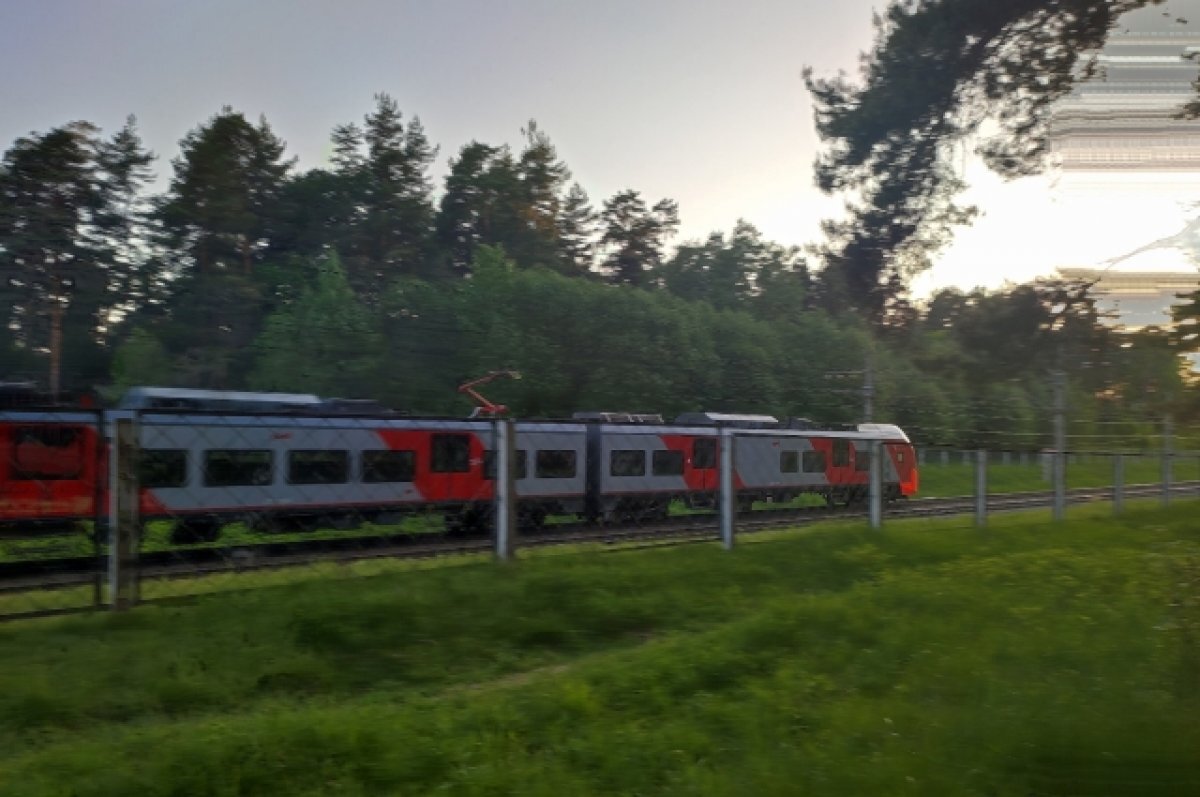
(298, 461)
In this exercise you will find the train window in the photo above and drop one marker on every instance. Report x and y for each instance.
(814, 461)
(489, 464)
(667, 463)
(553, 464)
(841, 453)
(388, 466)
(789, 461)
(450, 453)
(162, 468)
(629, 462)
(318, 466)
(46, 453)
(704, 454)
(237, 468)
(862, 459)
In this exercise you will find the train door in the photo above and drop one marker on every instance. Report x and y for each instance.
(455, 469)
(842, 475)
(904, 460)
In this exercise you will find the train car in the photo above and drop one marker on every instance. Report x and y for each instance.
(638, 465)
(297, 472)
(779, 465)
(51, 468)
(303, 471)
(297, 461)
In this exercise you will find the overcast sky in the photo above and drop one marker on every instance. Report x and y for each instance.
(698, 100)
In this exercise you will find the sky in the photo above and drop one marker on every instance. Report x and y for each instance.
(701, 101)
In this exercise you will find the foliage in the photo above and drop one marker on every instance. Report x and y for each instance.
(518, 203)
(223, 199)
(323, 342)
(69, 221)
(349, 280)
(731, 273)
(635, 235)
(941, 72)
(141, 360)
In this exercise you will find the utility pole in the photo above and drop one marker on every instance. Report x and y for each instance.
(1060, 444)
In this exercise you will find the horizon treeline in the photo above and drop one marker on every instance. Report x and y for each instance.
(366, 279)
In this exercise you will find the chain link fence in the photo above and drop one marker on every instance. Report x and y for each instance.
(105, 510)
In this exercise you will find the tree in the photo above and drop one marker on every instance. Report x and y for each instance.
(325, 342)
(125, 224)
(50, 197)
(397, 207)
(731, 272)
(517, 203)
(635, 236)
(222, 205)
(938, 71)
(479, 206)
(141, 359)
(542, 178)
(576, 233)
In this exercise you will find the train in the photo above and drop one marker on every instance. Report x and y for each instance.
(280, 461)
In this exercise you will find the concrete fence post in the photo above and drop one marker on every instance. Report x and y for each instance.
(1167, 460)
(981, 466)
(875, 488)
(728, 502)
(1118, 484)
(126, 523)
(504, 510)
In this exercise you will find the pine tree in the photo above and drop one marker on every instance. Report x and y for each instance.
(577, 228)
(635, 236)
(125, 225)
(397, 195)
(478, 207)
(224, 199)
(50, 199)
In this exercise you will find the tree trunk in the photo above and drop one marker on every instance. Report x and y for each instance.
(56, 335)
(244, 245)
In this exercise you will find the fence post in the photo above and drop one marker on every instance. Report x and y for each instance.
(1060, 445)
(981, 464)
(504, 513)
(124, 544)
(1118, 484)
(728, 500)
(1167, 456)
(875, 489)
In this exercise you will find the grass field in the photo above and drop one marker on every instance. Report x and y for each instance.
(958, 478)
(928, 659)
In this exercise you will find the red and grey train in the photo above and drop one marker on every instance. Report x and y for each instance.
(208, 458)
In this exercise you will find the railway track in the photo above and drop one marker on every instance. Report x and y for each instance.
(64, 572)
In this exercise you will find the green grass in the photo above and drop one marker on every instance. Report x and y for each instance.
(957, 478)
(927, 659)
